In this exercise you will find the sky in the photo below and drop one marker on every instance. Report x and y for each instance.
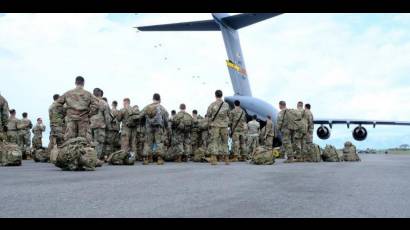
(344, 65)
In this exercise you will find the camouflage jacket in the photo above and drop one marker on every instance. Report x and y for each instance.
(12, 124)
(253, 128)
(79, 104)
(184, 121)
(24, 125)
(102, 119)
(281, 122)
(38, 130)
(4, 112)
(309, 118)
(56, 114)
(115, 124)
(164, 113)
(222, 118)
(234, 117)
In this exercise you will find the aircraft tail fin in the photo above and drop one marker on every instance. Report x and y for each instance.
(242, 20)
(206, 25)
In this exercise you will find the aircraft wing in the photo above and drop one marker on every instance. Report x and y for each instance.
(241, 20)
(206, 25)
(331, 122)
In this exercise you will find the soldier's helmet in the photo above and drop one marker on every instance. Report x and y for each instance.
(348, 144)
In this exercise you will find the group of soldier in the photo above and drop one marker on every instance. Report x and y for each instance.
(152, 135)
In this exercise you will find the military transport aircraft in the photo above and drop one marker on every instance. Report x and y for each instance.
(228, 25)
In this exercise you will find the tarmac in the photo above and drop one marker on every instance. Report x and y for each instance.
(378, 186)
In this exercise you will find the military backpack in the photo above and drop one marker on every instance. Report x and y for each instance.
(155, 116)
(330, 154)
(295, 121)
(10, 154)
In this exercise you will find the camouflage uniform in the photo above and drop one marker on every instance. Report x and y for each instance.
(238, 119)
(112, 135)
(196, 133)
(99, 123)
(12, 131)
(4, 117)
(38, 135)
(56, 115)
(299, 141)
(182, 126)
(128, 128)
(80, 105)
(154, 135)
(218, 128)
(203, 137)
(310, 126)
(24, 125)
(269, 134)
(253, 135)
(287, 134)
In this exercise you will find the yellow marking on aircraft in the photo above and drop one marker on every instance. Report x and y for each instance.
(236, 67)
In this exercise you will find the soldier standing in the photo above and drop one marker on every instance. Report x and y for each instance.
(38, 130)
(24, 125)
(128, 126)
(80, 106)
(56, 115)
(253, 135)
(182, 124)
(238, 121)
(196, 131)
(300, 135)
(309, 117)
(287, 134)
(112, 131)
(156, 120)
(99, 123)
(218, 115)
(269, 133)
(12, 130)
(204, 132)
(4, 118)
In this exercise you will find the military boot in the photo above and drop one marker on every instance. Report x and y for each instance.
(214, 160)
(235, 158)
(290, 160)
(145, 161)
(226, 159)
(160, 161)
(179, 159)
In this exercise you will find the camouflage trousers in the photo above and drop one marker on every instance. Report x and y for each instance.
(218, 144)
(128, 139)
(37, 142)
(204, 139)
(140, 140)
(56, 132)
(253, 143)
(25, 141)
(12, 137)
(154, 143)
(195, 140)
(238, 143)
(309, 137)
(269, 142)
(3, 136)
(183, 143)
(299, 145)
(77, 128)
(98, 137)
(288, 142)
(112, 141)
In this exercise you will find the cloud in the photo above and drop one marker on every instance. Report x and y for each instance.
(319, 58)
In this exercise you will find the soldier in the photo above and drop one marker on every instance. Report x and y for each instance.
(196, 131)
(253, 135)
(269, 133)
(12, 130)
(309, 117)
(38, 130)
(287, 133)
(80, 106)
(113, 131)
(203, 124)
(182, 125)
(156, 120)
(24, 125)
(218, 115)
(4, 118)
(99, 122)
(300, 135)
(238, 121)
(128, 126)
(56, 115)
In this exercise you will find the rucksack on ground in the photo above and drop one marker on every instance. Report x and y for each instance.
(349, 152)
(313, 153)
(41, 155)
(10, 154)
(263, 156)
(76, 155)
(121, 158)
(200, 155)
(330, 154)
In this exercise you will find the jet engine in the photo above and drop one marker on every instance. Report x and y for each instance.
(323, 132)
(359, 133)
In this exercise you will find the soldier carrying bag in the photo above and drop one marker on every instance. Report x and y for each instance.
(216, 114)
(236, 124)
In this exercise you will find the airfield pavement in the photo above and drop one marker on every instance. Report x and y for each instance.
(378, 186)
